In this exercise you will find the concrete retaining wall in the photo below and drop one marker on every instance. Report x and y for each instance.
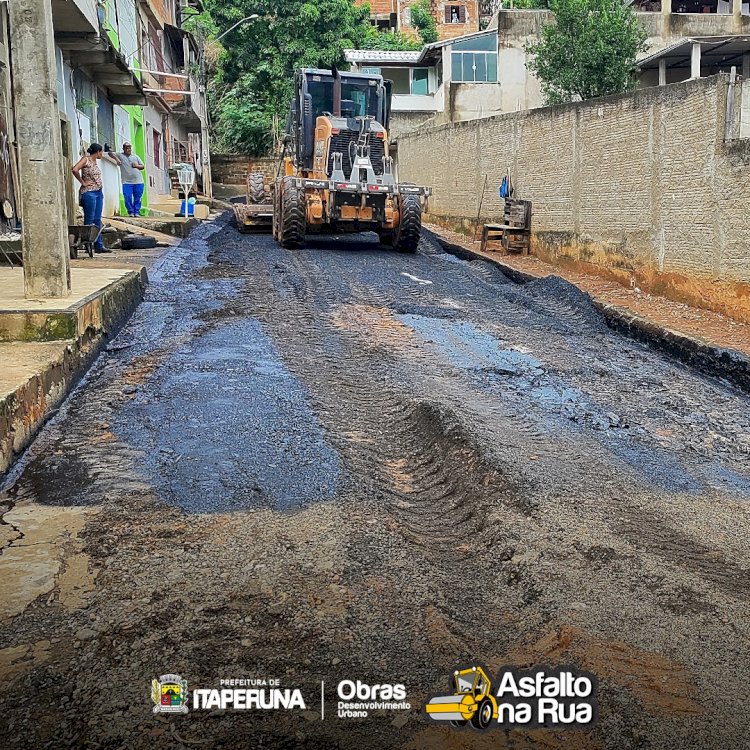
(641, 188)
(24, 411)
(103, 311)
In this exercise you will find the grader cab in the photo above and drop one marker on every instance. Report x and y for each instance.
(337, 172)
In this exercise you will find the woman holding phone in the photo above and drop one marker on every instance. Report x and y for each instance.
(88, 173)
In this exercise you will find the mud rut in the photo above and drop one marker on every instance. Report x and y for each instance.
(491, 507)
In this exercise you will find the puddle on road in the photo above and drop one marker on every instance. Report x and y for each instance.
(225, 426)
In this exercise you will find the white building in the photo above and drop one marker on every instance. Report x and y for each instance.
(487, 73)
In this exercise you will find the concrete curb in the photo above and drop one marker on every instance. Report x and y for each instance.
(23, 412)
(704, 356)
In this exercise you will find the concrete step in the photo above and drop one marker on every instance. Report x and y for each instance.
(98, 295)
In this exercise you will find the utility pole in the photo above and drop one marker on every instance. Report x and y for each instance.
(208, 187)
(40, 162)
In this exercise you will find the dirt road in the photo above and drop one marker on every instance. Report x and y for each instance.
(345, 463)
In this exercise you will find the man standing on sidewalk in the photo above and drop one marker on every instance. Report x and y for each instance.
(131, 169)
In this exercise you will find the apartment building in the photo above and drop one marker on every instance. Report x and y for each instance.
(175, 117)
(454, 18)
(126, 70)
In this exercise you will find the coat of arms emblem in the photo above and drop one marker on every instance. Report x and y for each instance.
(169, 694)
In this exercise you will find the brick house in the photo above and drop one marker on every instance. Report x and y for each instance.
(454, 18)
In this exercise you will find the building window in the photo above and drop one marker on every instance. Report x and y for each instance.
(105, 121)
(405, 81)
(420, 81)
(455, 14)
(400, 81)
(475, 60)
(157, 149)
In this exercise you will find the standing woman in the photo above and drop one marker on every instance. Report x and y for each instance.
(87, 172)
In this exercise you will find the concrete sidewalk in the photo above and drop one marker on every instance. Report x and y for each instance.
(46, 345)
(712, 342)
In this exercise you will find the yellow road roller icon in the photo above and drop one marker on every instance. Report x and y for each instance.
(472, 702)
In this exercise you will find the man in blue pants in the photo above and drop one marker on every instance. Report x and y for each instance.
(131, 171)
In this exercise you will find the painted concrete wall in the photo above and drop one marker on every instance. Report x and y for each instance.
(639, 187)
(520, 89)
(81, 139)
(157, 176)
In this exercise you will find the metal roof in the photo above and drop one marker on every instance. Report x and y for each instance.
(715, 51)
(428, 52)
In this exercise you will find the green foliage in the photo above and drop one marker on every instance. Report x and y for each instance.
(201, 25)
(385, 40)
(255, 77)
(589, 51)
(423, 20)
(244, 127)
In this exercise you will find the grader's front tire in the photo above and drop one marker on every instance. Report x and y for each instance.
(407, 233)
(290, 215)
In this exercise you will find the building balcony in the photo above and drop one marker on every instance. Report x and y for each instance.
(414, 103)
(106, 66)
(75, 16)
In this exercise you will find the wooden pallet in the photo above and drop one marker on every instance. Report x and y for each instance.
(515, 230)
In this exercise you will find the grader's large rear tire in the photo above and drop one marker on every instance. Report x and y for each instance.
(290, 221)
(256, 188)
(406, 235)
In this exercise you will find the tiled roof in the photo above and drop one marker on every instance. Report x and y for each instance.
(380, 56)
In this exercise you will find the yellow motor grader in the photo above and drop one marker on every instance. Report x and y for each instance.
(336, 174)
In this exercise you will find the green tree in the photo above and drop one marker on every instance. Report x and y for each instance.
(254, 82)
(423, 20)
(589, 51)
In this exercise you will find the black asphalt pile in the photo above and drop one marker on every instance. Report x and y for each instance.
(555, 293)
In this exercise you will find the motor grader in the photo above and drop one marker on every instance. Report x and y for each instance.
(336, 173)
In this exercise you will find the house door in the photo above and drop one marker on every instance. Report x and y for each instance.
(67, 154)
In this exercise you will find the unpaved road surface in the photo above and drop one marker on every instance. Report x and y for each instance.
(343, 462)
